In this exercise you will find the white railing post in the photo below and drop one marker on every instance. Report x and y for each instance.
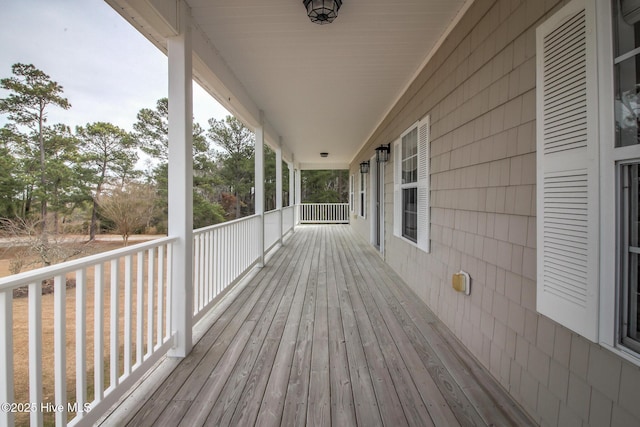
(181, 182)
(279, 188)
(6, 355)
(259, 185)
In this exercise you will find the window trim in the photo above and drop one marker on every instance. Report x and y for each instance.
(423, 234)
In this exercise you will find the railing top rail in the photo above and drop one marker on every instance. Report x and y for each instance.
(224, 224)
(346, 203)
(43, 273)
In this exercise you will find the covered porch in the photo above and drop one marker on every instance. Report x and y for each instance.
(325, 334)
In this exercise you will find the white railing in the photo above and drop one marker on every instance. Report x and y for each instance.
(288, 219)
(272, 225)
(222, 254)
(324, 213)
(115, 324)
(122, 304)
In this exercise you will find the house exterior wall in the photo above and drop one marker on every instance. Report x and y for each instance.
(479, 90)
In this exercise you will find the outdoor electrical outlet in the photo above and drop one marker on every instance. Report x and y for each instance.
(461, 282)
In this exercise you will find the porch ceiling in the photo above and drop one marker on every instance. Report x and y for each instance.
(321, 87)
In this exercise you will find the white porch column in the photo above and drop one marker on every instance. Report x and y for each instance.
(298, 195)
(279, 188)
(181, 183)
(291, 185)
(259, 186)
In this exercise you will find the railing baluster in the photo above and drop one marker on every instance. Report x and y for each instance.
(169, 288)
(140, 308)
(128, 312)
(196, 276)
(113, 329)
(98, 333)
(212, 291)
(205, 275)
(6, 355)
(60, 347)
(81, 340)
(35, 349)
(160, 295)
(150, 281)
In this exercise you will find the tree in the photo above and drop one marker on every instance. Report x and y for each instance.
(152, 132)
(237, 158)
(67, 177)
(11, 185)
(129, 208)
(31, 91)
(110, 155)
(324, 186)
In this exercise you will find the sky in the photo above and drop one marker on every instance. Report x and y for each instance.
(108, 70)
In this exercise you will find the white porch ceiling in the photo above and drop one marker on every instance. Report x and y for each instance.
(321, 87)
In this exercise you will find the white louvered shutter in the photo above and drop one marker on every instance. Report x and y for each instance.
(424, 171)
(397, 191)
(567, 171)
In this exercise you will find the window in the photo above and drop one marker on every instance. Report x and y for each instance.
(411, 185)
(630, 255)
(588, 183)
(363, 196)
(626, 64)
(351, 192)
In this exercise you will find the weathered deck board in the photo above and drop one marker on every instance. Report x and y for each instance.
(326, 334)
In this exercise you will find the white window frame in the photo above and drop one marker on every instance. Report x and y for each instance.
(611, 159)
(422, 185)
(408, 185)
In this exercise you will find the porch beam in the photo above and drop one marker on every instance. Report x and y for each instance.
(259, 185)
(180, 223)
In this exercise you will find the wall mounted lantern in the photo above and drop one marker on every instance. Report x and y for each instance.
(364, 167)
(383, 152)
(322, 11)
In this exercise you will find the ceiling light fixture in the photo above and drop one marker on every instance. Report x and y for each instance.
(324, 154)
(322, 11)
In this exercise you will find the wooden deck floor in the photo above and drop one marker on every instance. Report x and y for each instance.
(327, 334)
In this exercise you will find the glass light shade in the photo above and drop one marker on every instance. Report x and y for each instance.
(322, 11)
(382, 153)
(364, 167)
